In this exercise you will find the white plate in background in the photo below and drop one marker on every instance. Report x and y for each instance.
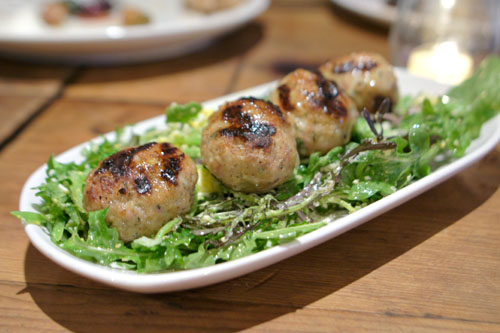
(173, 30)
(180, 280)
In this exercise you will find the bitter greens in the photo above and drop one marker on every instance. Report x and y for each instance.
(384, 155)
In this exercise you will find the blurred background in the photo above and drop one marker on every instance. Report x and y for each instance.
(441, 39)
(158, 51)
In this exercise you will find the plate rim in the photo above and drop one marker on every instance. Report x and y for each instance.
(221, 20)
(199, 277)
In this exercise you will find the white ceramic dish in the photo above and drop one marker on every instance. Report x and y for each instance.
(377, 11)
(162, 282)
(173, 30)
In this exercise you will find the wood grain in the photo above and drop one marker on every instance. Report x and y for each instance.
(318, 35)
(200, 76)
(25, 79)
(429, 265)
(24, 90)
(15, 111)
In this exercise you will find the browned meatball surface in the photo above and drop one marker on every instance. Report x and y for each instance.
(321, 115)
(144, 187)
(367, 78)
(248, 146)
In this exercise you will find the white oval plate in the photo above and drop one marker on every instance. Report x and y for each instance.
(162, 282)
(173, 30)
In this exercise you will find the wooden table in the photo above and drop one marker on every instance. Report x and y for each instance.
(431, 264)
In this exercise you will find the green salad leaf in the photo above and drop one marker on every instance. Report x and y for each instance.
(183, 113)
(383, 156)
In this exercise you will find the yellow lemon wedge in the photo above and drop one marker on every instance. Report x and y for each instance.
(207, 183)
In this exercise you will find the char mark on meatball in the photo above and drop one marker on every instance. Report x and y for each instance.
(349, 66)
(172, 165)
(142, 185)
(328, 93)
(284, 96)
(260, 103)
(246, 127)
(121, 164)
(234, 114)
(258, 133)
(167, 149)
(118, 164)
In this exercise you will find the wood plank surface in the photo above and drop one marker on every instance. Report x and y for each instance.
(431, 264)
(200, 76)
(318, 35)
(24, 79)
(24, 90)
(15, 111)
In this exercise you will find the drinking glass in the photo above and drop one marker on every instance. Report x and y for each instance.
(445, 39)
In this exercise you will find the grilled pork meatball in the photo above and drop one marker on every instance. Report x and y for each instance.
(367, 78)
(144, 187)
(321, 115)
(248, 146)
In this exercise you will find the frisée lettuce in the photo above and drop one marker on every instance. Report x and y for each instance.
(386, 153)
